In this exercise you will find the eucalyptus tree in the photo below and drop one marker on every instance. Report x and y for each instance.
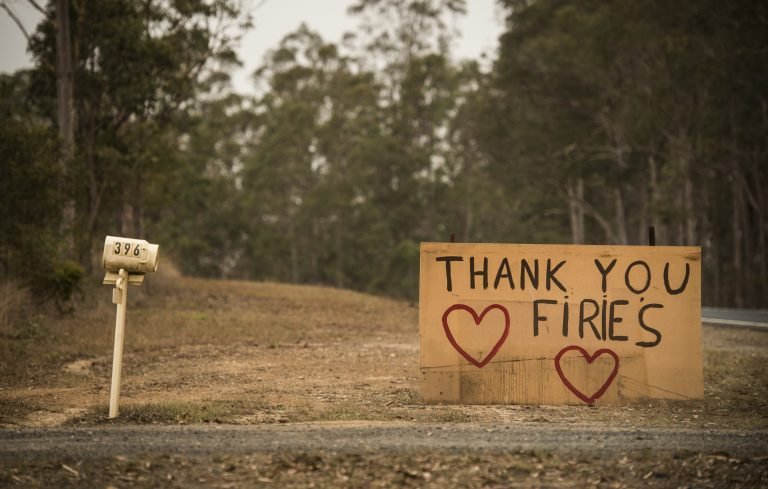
(133, 63)
(628, 113)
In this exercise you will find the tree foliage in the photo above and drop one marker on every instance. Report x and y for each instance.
(596, 120)
(635, 110)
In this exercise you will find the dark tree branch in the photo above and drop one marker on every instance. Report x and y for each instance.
(37, 6)
(13, 16)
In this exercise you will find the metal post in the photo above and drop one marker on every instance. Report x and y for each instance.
(119, 297)
(651, 236)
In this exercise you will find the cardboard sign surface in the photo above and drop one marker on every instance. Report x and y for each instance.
(559, 324)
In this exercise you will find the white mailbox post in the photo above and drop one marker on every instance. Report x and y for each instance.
(125, 260)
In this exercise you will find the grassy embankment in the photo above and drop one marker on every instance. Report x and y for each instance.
(243, 352)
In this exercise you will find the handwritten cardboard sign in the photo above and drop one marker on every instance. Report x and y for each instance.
(559, 324)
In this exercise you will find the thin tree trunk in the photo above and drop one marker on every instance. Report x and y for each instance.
(758, 176)
(65, 115)
(138, 209)
(127, 225)
(339, 245)
(690, 211)
(576, 213)
(680, 220)
(580, 211)
(736, 257)
(64, 80)
(469, 218)
(621, 221)
(716, 295)
(588, 209)
(661, 232)
(682, 154)
(750, 276)
(572, 210)
(762, 239)
(312, 256)
(469, 212)
(96, 192)
(642, 229)
(294, 249)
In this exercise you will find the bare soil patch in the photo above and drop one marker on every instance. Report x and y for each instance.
(251, 353)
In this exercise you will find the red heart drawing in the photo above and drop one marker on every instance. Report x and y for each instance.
(588, 399)
(478, 319)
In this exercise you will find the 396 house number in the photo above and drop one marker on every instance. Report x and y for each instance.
(126, 249)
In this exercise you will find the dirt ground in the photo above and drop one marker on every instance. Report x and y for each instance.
(343, 454)
(241, 353)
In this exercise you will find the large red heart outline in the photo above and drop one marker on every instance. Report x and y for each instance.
(478, 319)
(590, 358)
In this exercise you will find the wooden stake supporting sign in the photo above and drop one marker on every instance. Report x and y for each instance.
(119, 297)
(559, 324)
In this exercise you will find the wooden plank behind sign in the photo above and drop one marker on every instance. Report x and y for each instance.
(558, 324)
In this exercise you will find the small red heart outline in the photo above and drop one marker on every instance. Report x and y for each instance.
(590, 358)
(478, 319)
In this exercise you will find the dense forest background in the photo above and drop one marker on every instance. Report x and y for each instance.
(595, 120)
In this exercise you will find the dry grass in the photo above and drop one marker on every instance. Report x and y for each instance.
(188, 340)
(243, 352)
(14, 409)
(168, 313)
(172, 412)
(13, 300)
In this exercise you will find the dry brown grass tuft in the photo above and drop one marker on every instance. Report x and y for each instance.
(13, 410)
(14, 299)
(171, 412)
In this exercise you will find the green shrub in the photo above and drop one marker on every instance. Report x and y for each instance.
(31, 197)
(59, 283)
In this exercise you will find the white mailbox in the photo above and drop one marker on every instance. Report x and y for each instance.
(125, 261)
(134, 255)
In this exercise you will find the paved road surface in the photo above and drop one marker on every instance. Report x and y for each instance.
(95, 442)
(750, 318)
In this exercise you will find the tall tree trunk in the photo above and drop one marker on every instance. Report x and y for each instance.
(339, 246)
(64, 80)
(690, 211)
(127, 224)
(717, 268)
(642, 225)
(762, 238)
(312, 275)
(682, 154)
(575, 193)
(65, 115)
(469, 218)
(621, 220)
(469, 201)
(294, 249)
(96, 192)
(750, 277)
(737, 235)
(661, 232)
(760, 177)
(580, 211)
(138, 208)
